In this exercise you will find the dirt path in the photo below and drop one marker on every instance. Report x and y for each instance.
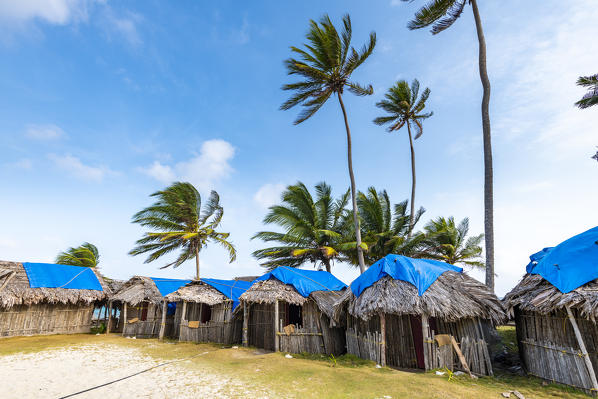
(60, 372)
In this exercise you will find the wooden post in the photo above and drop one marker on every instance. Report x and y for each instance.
(183, 314)
(245, 323)
(163, 322)
(276, 336)
(200, 311)
(382, 339)
(584, 352)
(425, 329)
(109, 317)
(124, 316)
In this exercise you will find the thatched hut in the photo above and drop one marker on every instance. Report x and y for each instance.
(139, 303)
(41, 298)
(290, 310)
(555, 307)
(414, 313)
(207, 307)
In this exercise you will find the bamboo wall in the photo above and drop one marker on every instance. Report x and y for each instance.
(364, 339)
(45, 318)
(150, 328)
(222, 328)
(549, 349)
(315, 335)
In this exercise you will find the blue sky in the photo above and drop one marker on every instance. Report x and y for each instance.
(105, 102)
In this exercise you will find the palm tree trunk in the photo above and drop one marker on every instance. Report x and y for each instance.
(326, 262)
(197, 263)
(353, 196)
(488, 174)
(411, 213)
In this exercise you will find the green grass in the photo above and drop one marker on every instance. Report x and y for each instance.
(508, 335)
(306, 376)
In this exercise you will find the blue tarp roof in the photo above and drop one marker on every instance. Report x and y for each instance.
(48, 275)
(305, 281)
(232, 289)
(168, 285)
(570, 264)
(419, 272)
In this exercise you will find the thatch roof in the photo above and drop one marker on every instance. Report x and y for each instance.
(138, 289)
(534, 293)
(199, 292)
(452, 296)
(18, 292)
(268, 291)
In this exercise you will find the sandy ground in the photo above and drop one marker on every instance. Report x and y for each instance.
(60, 372)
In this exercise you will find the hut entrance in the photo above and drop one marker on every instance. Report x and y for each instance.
(144, 311)
(418, 337)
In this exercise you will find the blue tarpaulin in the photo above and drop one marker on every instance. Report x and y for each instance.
(570, 264)
(48, 275)
(305, 281)
(168, 285)
(232, 289)
(420, 272)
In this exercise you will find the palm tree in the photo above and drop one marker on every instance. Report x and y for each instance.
(182, 225)
(385, 228)
(591, 97)
(405, 108)
(441, 14)
(326, 66)
(85, 255)
(449, 243)
(311, 228)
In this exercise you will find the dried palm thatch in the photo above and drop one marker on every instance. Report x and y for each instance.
(452, 296)
(138, 289)
(198, 292)
(535, 294)
(17, 291)
(269, 291)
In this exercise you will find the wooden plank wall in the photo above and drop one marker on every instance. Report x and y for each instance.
(549, 349)
(364, 340)
(223, 328)
(45, 318)
(150, 328)
(261, 326)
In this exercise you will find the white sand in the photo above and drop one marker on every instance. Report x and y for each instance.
(59, 372)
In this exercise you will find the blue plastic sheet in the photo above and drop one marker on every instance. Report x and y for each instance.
(305, 281)
(48, 275)
(168, 285)
(232, 289)
(420, 272)
(570, 264)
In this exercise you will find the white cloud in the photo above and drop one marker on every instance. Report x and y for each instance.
(76, 168)
(209, 166)
(163, 173)
(44, 132)
(124, 26)
(24, 163)
(58, 12)
(268, 194)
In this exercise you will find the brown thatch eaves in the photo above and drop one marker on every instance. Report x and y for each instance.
(18, 292)
(198, 292)
(138, 289)
(535, 294)
(452, 296)
(269, 291)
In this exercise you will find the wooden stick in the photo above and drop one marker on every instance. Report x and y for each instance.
(382, 340)
(5, 283)
(460, 356)
(584, 352)
(276, 336)
(424, 318)
(124, 317)
(245, 323)
(163, 323)
(109, 321)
